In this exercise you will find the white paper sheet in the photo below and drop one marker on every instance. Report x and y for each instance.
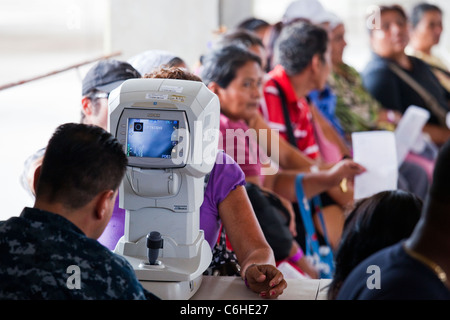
(376, 151)
(409, 130)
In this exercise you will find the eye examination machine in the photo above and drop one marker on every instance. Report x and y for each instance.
(169, 131)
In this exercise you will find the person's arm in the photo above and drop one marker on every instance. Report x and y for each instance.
(286, 202)
(288, 156)
(314, 183)
(254, 254)
(439, 135)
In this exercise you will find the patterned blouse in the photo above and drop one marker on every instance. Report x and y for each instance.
(356, 109)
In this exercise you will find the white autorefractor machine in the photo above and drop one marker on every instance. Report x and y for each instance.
(169, 130)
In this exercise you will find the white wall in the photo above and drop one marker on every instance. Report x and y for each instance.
(180, 26)
(39, 37)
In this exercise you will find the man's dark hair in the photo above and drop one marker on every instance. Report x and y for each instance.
(419, 10)
(220, 65)
(80, 161)
(298, 43)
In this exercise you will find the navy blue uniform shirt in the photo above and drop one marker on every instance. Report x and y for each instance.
(391, 274)
(45, 256)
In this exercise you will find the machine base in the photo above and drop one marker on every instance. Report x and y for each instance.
(173, 290)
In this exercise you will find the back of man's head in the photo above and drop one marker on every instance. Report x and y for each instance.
(297, 44)
(80, 161)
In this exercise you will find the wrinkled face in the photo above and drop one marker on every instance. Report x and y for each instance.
(337, 44)
(240, 100)
(392, 37)
(428, 30)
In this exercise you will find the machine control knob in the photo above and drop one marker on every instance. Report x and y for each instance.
(154, 243)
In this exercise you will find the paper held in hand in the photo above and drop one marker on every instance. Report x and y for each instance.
(408, 134)
(376, 151)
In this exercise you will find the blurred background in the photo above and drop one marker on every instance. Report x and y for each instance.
(45, 37)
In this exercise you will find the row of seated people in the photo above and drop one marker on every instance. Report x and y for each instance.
(226, 197)
(376, 222)
(236, 75)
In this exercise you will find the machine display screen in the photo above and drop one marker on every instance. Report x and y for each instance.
(151, 138)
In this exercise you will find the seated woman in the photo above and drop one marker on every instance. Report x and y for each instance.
(225, 175)
(235, 75)
(288, 157)
(426, 30)
(358, 111)
(226, 202)
(393, 78)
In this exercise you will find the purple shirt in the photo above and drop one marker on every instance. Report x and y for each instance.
(225, 176)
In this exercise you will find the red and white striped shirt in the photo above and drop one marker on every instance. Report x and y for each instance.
(299, 113)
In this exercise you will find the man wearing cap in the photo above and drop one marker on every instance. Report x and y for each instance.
(100, 80)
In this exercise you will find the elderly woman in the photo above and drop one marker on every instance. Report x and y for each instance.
(235, 75)
(385, 76)
(358, 111)
(426, 23)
